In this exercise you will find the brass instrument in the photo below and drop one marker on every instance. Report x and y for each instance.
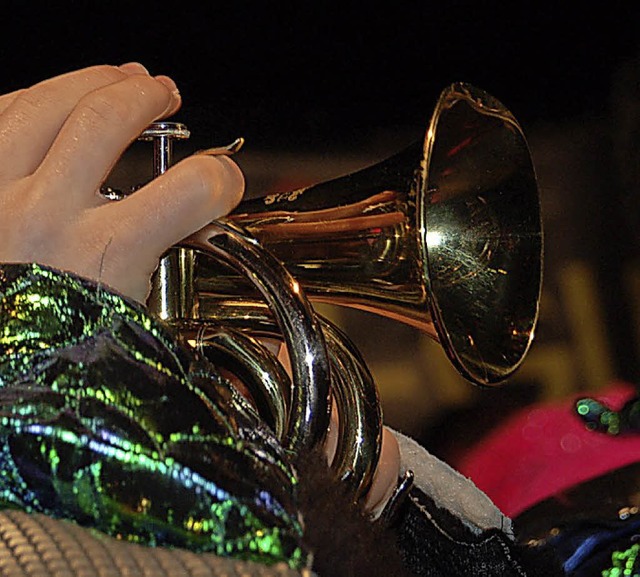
(445, 236)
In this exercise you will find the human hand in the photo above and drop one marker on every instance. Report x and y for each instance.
(60, 138)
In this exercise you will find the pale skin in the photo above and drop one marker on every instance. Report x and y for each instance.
(60, 138)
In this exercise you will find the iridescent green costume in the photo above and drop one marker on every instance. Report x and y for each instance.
(106, 421)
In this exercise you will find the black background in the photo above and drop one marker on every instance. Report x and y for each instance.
(311, 75)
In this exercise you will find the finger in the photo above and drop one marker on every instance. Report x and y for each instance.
(128, 68)
(386, 475)
(194, 192)
(99, 129)
(31, 118)
(7, 99)
(178, 203)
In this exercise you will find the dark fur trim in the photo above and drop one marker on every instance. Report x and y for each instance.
(430, 544)
(344, 541)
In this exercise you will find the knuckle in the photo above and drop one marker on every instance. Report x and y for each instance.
(98, 108)
(48, 92)
(100, 75)
(126, 100)
(29, 102)
(105, 72)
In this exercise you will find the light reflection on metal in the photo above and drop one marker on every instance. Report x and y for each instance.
(445, 236)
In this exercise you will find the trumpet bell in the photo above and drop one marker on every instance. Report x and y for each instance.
(445, 236)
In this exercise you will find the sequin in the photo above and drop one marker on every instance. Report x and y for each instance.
(106, 421)
(599, 417)
(623, 563)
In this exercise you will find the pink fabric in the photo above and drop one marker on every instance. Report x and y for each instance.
(546, 449)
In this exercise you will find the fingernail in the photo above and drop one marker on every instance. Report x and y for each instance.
(133, 68)
(169, 83)
(228, 150)
(173, 88)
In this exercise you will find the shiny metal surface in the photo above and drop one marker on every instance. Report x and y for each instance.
(253, 365)
(310, 368)
(359, 411)
(162, 134)
(352, 388)
(445, 236)
(171, 294)
(297, 409)
(306, 406)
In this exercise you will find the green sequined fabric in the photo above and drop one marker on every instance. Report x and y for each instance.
(624, 563)
(599, 417)
(104, 420)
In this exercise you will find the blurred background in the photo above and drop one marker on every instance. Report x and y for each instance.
(321, 89)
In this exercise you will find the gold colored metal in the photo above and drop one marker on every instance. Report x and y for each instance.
(445, 236)
(249, 360)
(309, 410)
(308, 402)
(352, 385)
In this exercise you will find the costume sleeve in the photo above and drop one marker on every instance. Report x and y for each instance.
(105, 421)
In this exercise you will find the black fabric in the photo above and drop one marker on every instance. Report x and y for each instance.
(421, 540)
(434, 543)
(594, 526)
